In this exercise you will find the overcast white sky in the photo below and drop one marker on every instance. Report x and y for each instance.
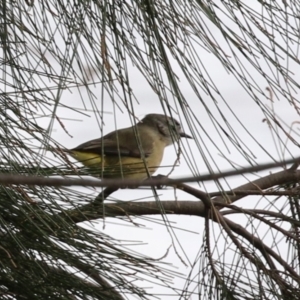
(187, 230)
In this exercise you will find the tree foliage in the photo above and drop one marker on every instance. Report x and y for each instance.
(53, 48)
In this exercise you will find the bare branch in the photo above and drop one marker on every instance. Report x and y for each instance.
(46, 181)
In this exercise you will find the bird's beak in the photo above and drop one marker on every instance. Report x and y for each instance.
(183, 134)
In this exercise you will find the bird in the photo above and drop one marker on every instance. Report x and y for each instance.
(133, 153)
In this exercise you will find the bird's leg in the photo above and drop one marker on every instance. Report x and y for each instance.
(159, 176)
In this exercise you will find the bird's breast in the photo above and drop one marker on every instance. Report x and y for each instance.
(113, 166)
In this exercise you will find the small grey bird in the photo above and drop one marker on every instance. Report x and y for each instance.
(134, 152)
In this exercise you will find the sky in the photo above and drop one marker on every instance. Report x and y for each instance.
(210, 150)
(186, 236)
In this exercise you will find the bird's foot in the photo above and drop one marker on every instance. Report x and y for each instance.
(158, 177)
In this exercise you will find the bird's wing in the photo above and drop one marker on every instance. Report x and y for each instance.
(112, 146)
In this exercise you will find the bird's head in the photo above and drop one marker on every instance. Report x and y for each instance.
(168, 128)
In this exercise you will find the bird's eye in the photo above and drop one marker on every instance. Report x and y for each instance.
(174, 123)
